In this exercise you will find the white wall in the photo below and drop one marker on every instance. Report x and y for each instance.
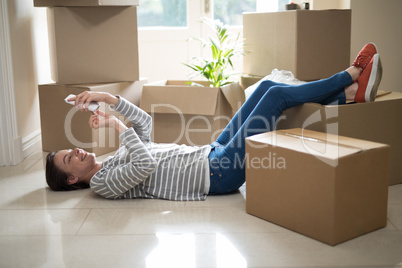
(29, 49)
(375, 21)
(380, 22)
(326, 4)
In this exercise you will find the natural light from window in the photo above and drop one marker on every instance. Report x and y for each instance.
(165, 13)
(174, 13)
(230, 11)
(181, 250)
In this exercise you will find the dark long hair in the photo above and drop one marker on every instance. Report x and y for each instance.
(57, 179)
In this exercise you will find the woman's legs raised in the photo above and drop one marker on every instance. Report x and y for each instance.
(227, 161)
(240, 117)
(281, 97)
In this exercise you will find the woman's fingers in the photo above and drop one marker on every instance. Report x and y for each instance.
(96, 123)
(72, 98)
(82, 100)
(93, 121)
(100, 119)
(78, 101)
(101, 113)
(84, 103)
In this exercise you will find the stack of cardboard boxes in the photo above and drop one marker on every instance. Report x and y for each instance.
(93, 46)
(327, 179)
(312, 44)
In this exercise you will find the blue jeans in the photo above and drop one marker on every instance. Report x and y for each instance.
(259, 114)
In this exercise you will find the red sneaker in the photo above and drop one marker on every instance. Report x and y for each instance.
(369, 80)
(365, 55)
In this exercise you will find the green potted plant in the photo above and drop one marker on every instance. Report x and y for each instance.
(217, 69)
(185, 113)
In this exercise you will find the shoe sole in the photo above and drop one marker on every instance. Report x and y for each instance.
(376, 50)
(374, 80)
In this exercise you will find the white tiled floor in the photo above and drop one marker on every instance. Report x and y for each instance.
(41, 228)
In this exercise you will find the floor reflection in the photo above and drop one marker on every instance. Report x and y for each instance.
(173, 250)
(179, 250)
(227, 255)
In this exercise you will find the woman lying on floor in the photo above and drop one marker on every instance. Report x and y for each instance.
(142, 169)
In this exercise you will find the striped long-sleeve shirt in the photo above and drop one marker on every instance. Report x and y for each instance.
(143, 169)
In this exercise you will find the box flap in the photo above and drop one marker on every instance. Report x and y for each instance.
(319, 144)
(388, 95)
(94, 87)
(66, 3)
(234, 94)
(380, 96)
(175, 97)
(186, 83)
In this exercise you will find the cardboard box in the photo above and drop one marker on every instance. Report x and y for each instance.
(312, 44)
(93, 44)
(328, 187)
(64, 3)
(190, 115)
(247, 80)
(378, 121)
(65, 127)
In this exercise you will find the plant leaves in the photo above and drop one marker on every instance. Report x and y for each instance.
(215, 69)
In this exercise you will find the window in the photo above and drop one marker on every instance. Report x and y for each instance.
(162, 13)
(230, 11)
(165, 25)
(175, 13)
(282, 4)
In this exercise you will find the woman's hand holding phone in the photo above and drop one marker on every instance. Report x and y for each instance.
(100, 119)
(83, 99)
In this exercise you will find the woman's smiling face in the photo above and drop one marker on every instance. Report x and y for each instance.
(75, 162)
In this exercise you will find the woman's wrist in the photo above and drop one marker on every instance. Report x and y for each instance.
(119, 126)
(111, 100)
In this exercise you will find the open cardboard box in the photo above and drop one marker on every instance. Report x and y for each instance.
(93, 44)
(65, 127)
(187, 114)
(249, 80)
(328, 187)
(51, 3)
(312, 44)
(379, 121)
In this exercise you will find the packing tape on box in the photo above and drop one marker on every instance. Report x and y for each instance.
(320, 140)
